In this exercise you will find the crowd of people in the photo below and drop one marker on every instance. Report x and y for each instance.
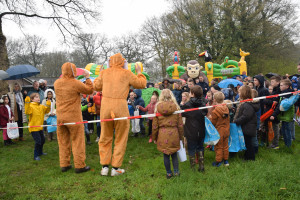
(166, 131)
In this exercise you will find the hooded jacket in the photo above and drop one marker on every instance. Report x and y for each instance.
(36, 112)
(67, 90)
(53, 106)
(294, 84)
(262, 91)
(139, 100)
(221, 119)
(167, 130)
(194, 128)
(246, 117)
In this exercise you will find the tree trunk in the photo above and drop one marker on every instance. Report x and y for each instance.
(4, 62)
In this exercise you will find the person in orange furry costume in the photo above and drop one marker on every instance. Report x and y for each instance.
(114, 83)
(68, 109)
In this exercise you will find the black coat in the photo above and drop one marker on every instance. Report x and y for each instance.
(204, 87)
(262, 91)
(246, 117)
(194, 128)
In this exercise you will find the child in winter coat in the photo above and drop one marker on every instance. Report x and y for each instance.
(6, 115)
(86, 117)
(245, 116)
(150, 109)
(221, 120)
(140, 101)
(285, 117)
(36, 112)
(50, 95)
(194, 128)
(168, 130)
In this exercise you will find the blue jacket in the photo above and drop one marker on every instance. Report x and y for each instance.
(139, 100)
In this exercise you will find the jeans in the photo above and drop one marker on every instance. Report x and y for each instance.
(195, 146)
(168, 164)
(86, 129)
(293, 130)
(287, 133)
(98, 127)
(142, 126)
(39, 139)
(250, 152)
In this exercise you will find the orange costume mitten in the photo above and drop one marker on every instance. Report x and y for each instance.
(115, 83)
(68, 109)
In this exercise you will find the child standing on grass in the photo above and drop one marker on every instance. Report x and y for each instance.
(194, 128)
(168, 130)
(6, 116)
(50, 95)
(150, 109)
(245, 116)
(221, 120)
(36, 112)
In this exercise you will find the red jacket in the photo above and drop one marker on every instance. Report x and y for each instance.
(97, 100)
(149, 108)
(4, 116)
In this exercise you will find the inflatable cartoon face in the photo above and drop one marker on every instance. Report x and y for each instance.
(193, 69)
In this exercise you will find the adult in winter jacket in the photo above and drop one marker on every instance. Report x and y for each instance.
(17, 106)
(114, 83)
(68, 109)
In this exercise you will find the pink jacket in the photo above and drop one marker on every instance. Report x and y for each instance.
(149, 108)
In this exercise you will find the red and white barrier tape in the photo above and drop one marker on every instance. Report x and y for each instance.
(157, 114)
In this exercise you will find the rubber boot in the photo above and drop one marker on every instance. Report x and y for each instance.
(192, 162)
(197, 158)
(6, 143)
(201, 162)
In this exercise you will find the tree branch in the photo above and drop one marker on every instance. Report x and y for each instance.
(27, 15)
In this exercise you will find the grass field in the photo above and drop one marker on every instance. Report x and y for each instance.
(274, 175)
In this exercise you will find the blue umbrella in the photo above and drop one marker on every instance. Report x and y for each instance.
(3, 75)
(21, 71)
(226, 82)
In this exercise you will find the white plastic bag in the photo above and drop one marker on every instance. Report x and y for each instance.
(181, 153)
(12, 133)
(135, 123)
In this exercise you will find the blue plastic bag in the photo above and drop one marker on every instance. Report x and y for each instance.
(287, 103)
(236, 140)
(131, 110)
(52, 120)
(211, 134)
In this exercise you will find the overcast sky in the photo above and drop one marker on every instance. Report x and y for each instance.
(118, 18)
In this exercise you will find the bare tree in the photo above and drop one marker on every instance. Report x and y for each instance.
(52, 62)
(132, 47)
(66, 15)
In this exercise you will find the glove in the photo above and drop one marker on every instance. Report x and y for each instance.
(27, 99)
(48, 103)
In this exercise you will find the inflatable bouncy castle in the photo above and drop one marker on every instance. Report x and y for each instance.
(227, 69)
(175, 71)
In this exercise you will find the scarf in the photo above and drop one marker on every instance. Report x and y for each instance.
(19, 99)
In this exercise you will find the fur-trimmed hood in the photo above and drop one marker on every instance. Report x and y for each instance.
(46, 92)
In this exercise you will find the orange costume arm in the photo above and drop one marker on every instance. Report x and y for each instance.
(86, 88)
(138, 81)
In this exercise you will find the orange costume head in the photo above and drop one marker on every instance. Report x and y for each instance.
(68, 70)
